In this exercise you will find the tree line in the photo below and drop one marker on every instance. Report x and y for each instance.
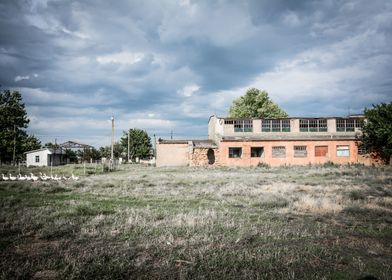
(15, 142)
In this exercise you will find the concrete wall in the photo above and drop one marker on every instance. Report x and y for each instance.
(43, 158)
(172, 154)
(246, 159)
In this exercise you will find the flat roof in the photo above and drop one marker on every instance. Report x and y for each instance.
(290, 137)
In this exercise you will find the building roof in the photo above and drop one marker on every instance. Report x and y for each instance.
(75, 145)
(290, 118)
(50, 150)
(204, 143)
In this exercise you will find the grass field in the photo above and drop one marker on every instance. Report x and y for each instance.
(309, 222)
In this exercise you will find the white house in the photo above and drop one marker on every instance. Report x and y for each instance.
(45, 157)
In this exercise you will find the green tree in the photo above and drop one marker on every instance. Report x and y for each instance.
(377, 130)
(71, 156)
(89, 154)
(118, 151)
(139, 143)
(30, 143)
(13, 119)
(255, 104)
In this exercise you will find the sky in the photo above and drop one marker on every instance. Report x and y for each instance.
(167, 66)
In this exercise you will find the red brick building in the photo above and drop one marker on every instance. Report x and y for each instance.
(286, 141)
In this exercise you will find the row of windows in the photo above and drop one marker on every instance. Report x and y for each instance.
(299, 151)
(313, 125)
(275, 125)
(348, 124)
(305, 125)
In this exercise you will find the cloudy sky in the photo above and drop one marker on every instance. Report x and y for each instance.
(168, 65)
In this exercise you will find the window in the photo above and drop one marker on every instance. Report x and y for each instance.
(343, 151)
(322, 125)
(313, 125)
(321, 151)
(266, 125)
(304, 125)
(285, 125)
(229, 121)
(248, 125)
(362, 150)
(279, 152)
(300, 151)
(340, 125)
(275, 125)
(235, 152)
(358, 123)
(36, 158)
(348, 124)
(257, 152)
(243, 126)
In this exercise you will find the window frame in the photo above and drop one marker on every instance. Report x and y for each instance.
(243, 125)
(257, 148)
(278, 151)
(342, 148)
(37, 159)
(300, 151)
(321, 146)
(232, 154)
(266, 125)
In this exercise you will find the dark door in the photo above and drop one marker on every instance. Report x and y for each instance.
(211, 156)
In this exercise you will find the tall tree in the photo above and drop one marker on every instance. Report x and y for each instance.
(255, 104)
(139, 143)
(377, 130)
(13, 119)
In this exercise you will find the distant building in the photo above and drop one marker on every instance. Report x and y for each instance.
(74, 146)
(45, 157)
(283, 141)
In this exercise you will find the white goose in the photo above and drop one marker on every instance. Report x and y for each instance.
(64, 178)
(74, 177)
(56, 178)
(33, 178)
(12, 178)
(21, 178)
(4, 178)
(44, 177)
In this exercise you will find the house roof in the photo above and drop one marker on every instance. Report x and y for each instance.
(73, 144)
(50, 150)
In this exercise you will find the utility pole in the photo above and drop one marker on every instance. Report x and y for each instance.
(128, 145)
(13, 157)
(112, 157)
(155, 146)
(171, 134)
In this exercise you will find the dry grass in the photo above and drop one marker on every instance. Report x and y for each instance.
(310, 222)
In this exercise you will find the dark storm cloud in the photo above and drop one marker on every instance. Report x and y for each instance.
(168, 65)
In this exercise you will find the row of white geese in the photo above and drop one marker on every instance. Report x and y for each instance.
(40, 177)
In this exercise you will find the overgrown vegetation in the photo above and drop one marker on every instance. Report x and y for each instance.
(377, 131)
(309, 222)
